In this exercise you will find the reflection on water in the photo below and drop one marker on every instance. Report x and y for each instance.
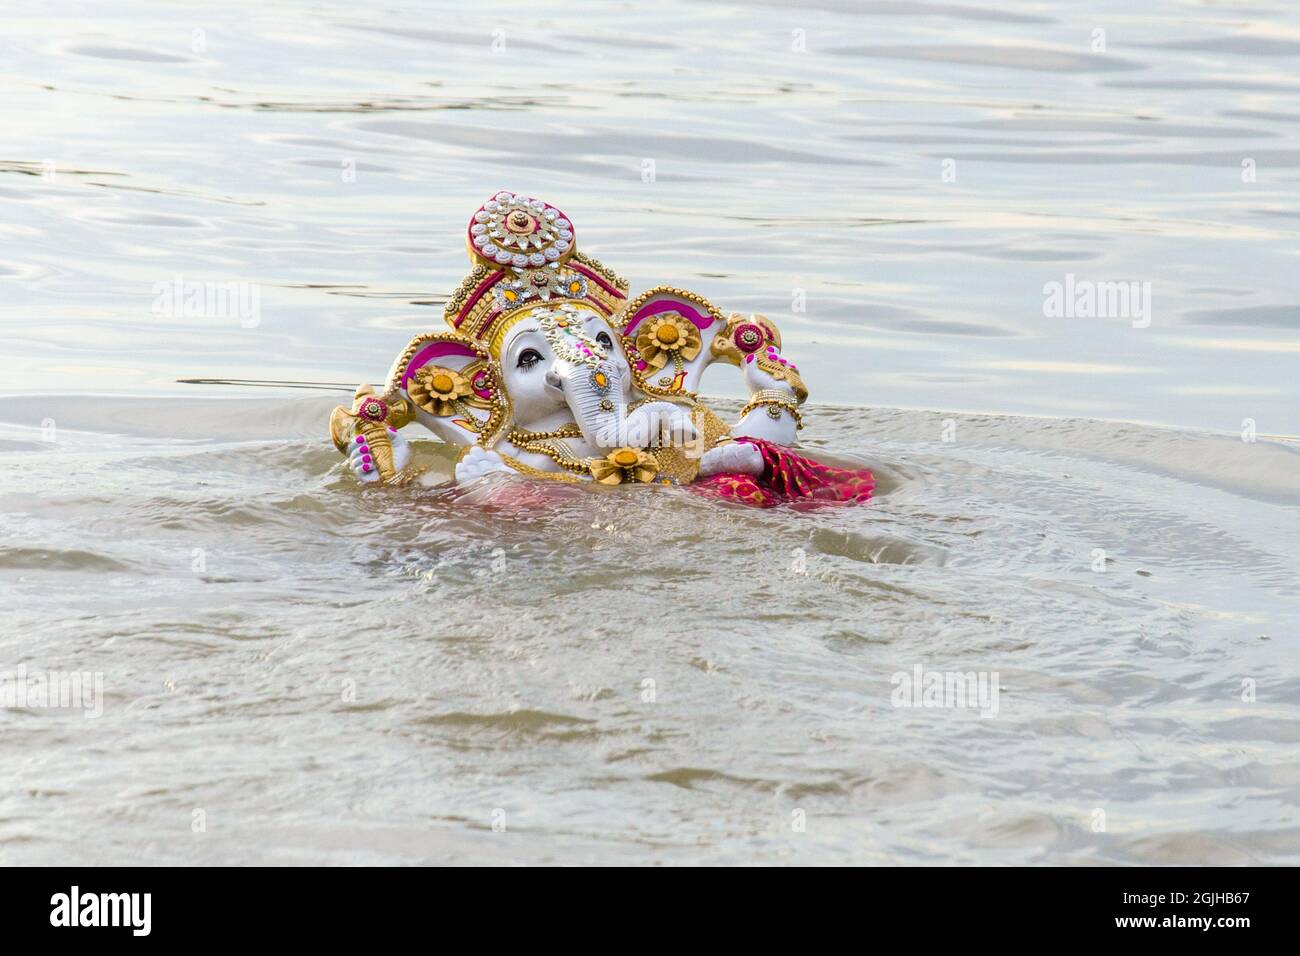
(345, 677)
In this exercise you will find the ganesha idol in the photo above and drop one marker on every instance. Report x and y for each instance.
(548, 370)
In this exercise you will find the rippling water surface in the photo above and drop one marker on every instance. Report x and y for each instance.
(515, 673)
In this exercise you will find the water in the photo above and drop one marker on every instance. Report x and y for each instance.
(303, 673)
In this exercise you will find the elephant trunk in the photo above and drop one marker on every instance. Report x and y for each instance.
(594, 394)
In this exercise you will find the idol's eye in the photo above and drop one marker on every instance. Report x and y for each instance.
(529, 357)
(604, 339)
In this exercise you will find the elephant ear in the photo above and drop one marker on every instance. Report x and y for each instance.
(454, 387)
(668, 335)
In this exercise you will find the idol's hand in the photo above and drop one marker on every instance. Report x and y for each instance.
(362, 462)
(478, 462)
(733, 458)
(658, 424)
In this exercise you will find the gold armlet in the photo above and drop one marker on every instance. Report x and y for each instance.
(776, 402)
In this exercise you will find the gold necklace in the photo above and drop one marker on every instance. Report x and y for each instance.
(571, 430)
(551, 445)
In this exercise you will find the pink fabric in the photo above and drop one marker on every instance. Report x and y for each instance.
(789, 477)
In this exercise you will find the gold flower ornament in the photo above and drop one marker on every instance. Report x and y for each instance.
(625, 465)
(437, 389)
(667, 336)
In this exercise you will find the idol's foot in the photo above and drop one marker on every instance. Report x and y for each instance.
(734, 457)
(477, 463)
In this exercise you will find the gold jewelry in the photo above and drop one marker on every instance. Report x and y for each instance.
(652, 338)
(680, 464)
(444, 392)
(783, 371)
(482, 372)
(438, 390)
(667, 336)
(742, 336)
(624, 465)
(370, 420)
(619, 466)
(532, 472)
(775, 402)
(523, 254)
(551, 445)
(571, 430)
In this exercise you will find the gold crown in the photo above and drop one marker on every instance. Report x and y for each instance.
(524, 254)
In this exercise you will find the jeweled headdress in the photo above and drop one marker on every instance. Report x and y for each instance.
(525, 254)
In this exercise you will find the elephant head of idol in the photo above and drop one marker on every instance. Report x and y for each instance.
(551, 361)
(545, 313)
